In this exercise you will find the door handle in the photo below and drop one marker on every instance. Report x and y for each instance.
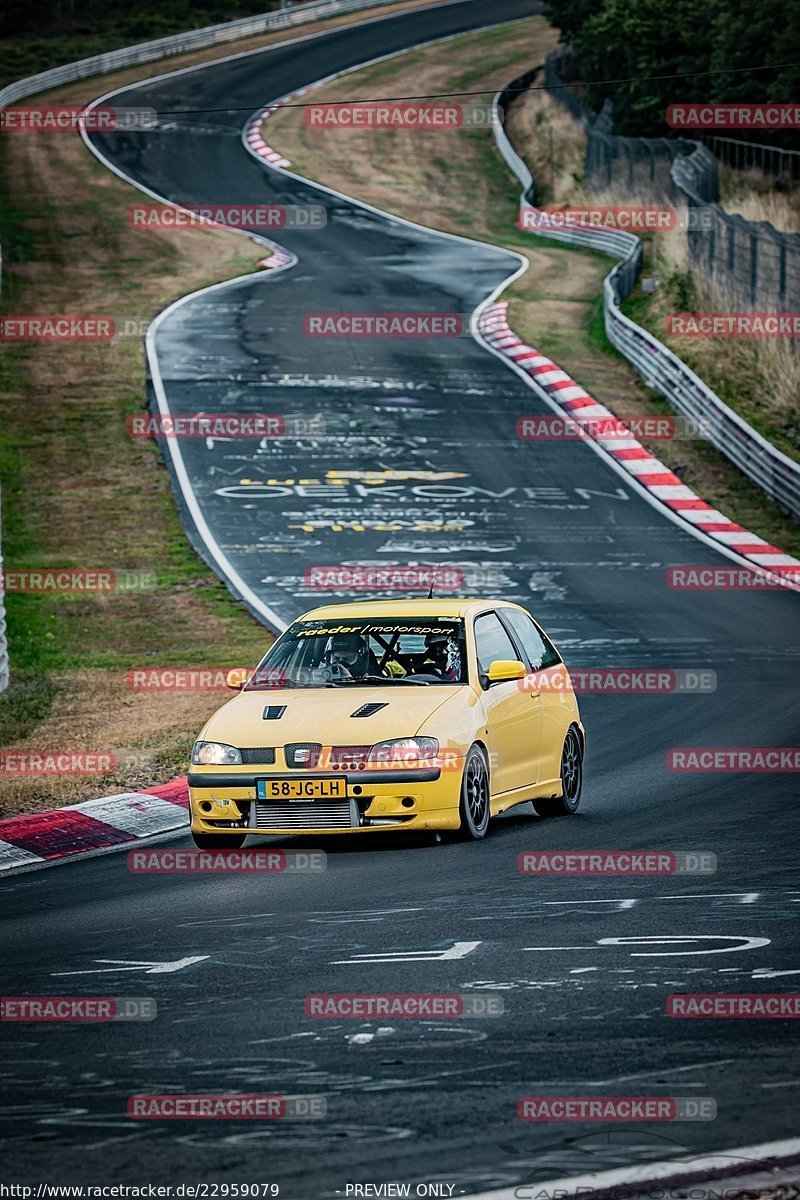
(535, 695)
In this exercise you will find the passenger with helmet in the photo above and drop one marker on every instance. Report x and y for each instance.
(437, 656)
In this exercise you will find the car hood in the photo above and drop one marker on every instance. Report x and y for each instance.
(276, 716)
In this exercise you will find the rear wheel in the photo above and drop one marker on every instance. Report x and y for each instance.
(474, 806)
(219, 841)
(571, 780)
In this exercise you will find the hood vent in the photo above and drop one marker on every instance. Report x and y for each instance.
(367, 710)
(274, 712)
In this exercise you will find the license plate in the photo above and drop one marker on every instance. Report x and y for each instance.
(301, 791)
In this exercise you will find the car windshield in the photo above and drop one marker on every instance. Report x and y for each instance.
(352, 651)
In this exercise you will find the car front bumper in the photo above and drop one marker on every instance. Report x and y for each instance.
(224, 801)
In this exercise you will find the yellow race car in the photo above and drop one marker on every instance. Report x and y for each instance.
(414, 714)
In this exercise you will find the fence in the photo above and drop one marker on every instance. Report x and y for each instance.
(773, 161)
(748, 264)
(774, 472)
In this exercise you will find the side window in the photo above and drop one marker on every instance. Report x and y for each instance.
(491, 642)
(539, 650)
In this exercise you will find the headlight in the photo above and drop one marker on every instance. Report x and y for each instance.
(215, 754)
(403, 751)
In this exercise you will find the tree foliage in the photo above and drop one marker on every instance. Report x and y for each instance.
(718, 48)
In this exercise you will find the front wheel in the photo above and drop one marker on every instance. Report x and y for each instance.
(219, 841)
(474, 806)
(571, 781)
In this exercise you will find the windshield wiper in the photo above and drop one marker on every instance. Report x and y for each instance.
(376, 679)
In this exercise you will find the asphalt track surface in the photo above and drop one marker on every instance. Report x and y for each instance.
(422, 1100)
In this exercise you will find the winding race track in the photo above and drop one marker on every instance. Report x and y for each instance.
(548, 524)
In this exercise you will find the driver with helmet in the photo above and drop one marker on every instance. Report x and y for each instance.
(351, 657)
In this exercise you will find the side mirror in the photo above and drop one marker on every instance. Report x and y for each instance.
(504, 669)
(237, 678)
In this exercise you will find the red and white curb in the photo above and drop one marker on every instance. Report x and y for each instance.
(96, 825)
(648, 471)
(256, 144)
(278, 258)
(252, 131)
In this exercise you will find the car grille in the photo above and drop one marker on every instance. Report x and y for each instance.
(255, 755)
(322, 814)
(302, 754)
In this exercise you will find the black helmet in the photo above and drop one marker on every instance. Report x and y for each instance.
(347, 643)
(436, 641)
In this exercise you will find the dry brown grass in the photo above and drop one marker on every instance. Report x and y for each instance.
(395, 165)
(756, 198)
(552, 144)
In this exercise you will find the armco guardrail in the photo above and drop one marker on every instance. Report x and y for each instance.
(180, 43)
(774, 472)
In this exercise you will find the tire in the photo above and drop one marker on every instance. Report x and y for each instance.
(474, 805)
(219, 841)
(571, 780)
